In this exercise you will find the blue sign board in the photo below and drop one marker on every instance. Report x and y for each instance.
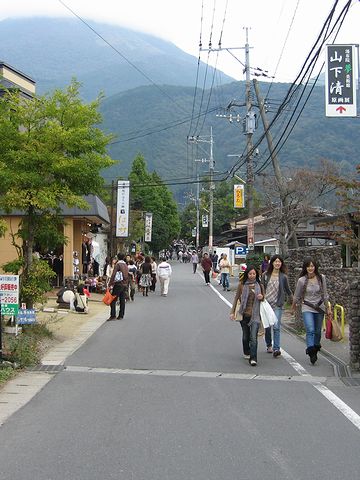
(26, 316)
(241, 251)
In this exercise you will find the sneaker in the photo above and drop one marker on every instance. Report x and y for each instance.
(246, 356)
(269, 349)
(253, 363)
(276, 353)
(111, 318)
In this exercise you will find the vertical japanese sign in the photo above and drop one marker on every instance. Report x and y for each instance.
(9, 294)
(239, 196)
(148, 227)
(340, 81)
(250, 233)
(205, 221)
(122, 208)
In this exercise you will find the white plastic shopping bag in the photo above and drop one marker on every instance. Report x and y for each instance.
(267, 314)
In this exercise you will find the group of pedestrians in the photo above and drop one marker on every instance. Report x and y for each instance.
(124, 273)
(310, 296)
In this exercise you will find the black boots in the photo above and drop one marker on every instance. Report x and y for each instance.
(312, 352)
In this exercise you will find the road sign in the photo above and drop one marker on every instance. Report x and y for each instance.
(9, 294)
(241, 251)
(340, 81)
(205, 221)
(26, 316)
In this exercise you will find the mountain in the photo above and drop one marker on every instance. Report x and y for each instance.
(53, 50)
(155, 119)
(156, 123)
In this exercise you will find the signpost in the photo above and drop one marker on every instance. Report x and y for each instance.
(340, 81)
(9, 299)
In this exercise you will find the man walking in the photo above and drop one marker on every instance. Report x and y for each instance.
(164, 273)
(119, 283)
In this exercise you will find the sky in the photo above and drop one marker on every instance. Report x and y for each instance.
(280, 32)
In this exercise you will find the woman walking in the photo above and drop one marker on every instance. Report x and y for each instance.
(145, 279)
(206, 265)
(276, 287)
(311, 294)
(249, 294)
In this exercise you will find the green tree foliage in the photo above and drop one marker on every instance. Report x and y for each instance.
(148, 193)
(51, 154)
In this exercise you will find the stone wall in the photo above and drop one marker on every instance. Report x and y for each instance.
(354, 325)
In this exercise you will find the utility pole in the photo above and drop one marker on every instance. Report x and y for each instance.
(249, 130)
(211, 194)
(199, 139)
(278, 175)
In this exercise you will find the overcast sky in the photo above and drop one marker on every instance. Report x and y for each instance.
(281, 32)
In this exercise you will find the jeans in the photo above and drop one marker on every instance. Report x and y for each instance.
(249, 338)
(207, 276)
(276, 329)
(194, 267)
(225, 280)
(313, 324)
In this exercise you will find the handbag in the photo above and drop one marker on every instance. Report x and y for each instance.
(108, 298)
(267, 314)
(336, 334)
(328, 327)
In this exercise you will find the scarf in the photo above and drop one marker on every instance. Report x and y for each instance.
(255, 316)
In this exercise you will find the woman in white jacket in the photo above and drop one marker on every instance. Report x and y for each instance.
(164, 272)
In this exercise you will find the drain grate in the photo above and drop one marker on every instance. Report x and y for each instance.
(46, 368)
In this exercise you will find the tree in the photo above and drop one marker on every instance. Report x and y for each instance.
(294, 201)
(348, 193)
(148, 193)
(52, 152)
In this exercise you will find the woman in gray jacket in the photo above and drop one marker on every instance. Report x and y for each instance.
(276, 287)
(311, 294)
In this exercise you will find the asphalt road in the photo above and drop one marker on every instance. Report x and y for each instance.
(166, 394)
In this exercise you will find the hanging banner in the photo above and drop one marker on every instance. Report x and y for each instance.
(122, 209)
(239, 196)
(148, 227)
(340, 81)
(205, 221)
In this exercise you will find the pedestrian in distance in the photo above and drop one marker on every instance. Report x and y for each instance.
(264, 264)
(215, 258)
(194, 260)
(312, 297)
(276, 288)
(153, 274)
(164, 272)
(118, 286)
(132, 279)
(146, 278)
(206, 265)
(247, 300)
(225, 269)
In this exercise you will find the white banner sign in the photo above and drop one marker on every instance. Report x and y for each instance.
(205, 221)
(148, 227)
(122, 209)
(340, 81)
(9, 294)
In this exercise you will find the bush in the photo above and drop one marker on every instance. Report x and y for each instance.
(6, 374)
(26, 349)
(254, 259)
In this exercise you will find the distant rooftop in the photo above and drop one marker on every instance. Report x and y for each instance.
(10, 77)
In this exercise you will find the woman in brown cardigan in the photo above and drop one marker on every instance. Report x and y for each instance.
(249, 294)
